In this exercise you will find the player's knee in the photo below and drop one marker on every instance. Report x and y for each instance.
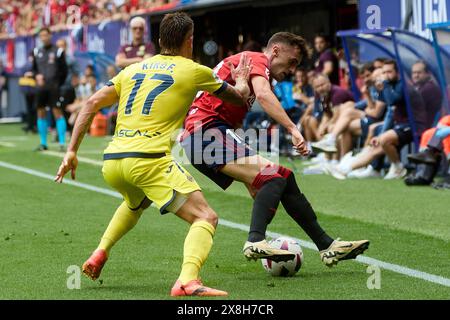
(202, 211)
(346, 112)
(209, 215)
(213, 219)
(386, 141)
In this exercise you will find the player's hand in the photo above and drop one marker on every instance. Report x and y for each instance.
(69, 163)
(374, 142)
(299, 142)
(243, 70)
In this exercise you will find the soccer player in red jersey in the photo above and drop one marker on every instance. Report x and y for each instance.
(218, 153)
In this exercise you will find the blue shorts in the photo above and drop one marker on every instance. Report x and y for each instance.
(211, 148)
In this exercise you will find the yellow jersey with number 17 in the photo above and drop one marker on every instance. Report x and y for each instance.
(155, 96)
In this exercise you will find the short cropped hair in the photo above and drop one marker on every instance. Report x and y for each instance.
(391, 62)
(46, 29)
(425, 67)
(293, 40)
(173, 30)
(367, 67)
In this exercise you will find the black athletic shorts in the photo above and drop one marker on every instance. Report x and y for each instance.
(404, 133)
(210, 148)
(47, 96)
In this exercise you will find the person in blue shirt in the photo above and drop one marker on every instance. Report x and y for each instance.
(284, 92)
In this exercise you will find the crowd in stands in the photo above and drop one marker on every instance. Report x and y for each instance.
(26, 17)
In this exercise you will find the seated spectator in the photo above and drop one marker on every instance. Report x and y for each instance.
(434, 143)
(390, 142)
(378, 63)
(324, 109)
(429, 90)
(84, 88)
(89, 71)
(356, 118)
(302, 92)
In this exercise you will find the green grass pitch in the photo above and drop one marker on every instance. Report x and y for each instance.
(46, 227)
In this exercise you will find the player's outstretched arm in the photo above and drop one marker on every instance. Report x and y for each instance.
(239, 93)
(105, 97)
(272, 106)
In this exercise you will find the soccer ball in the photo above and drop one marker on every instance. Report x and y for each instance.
(284, 268)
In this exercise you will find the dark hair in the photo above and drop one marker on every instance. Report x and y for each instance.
(425, 67)
(391, 62)
(367, 67)
(47, 29)
(301, 69)
(325, 37)
(173, 30)
(380, 59)
(293, 40)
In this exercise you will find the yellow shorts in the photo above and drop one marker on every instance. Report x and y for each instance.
(157, 179)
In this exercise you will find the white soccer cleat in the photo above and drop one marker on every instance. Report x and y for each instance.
(262, 249)
(343, 250)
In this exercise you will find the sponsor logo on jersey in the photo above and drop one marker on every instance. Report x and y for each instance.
(130, 133)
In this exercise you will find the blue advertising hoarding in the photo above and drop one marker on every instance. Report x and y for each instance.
(410, 15)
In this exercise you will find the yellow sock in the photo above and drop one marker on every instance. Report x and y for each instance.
(197, 245)
(123, 221)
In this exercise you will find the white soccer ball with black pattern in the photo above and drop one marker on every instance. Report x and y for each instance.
(284, 268)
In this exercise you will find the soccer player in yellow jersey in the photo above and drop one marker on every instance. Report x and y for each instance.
(154, 97)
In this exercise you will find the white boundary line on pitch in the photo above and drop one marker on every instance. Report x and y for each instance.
(306, 244)
(7, 144)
